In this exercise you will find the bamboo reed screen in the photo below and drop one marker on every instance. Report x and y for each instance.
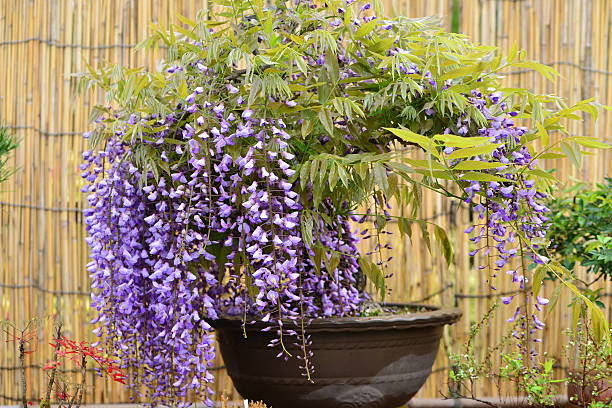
(42, 248)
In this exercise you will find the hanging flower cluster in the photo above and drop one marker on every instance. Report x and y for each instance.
(219, 234)
(513, 220)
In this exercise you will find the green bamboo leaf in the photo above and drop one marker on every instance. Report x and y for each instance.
(554, 299)
(542, 133)
(538, 277)
(542, 174)
(572, 153)
(383, 45)
(411, 137)
(304, 173)
(307, 126)
(545, 70)
(380, 177)
(472, 151)
(460, 72)
(475, 176)
(552, 156)
(475, 165)
(333, 176)
(307, 226)
(325, 118)
(576, 309)
(405, 226)
(461, 141)
(445, 244)
(425, 234)
(331, 263)
(314, 168)
(590, 142)
(426, 164)
(374, 274)
(366, 29)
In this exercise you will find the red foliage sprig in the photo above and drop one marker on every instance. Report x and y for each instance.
(79, 351)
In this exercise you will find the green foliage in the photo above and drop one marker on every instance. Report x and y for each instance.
(581, 228)
(359, 123)
(8, 143)
(591, 368)
(535, 379)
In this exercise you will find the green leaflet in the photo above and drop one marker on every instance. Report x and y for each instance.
(461, 141)
(374, 274)
(444, 242)
(475, 176)
(472, 151)
(409, 136)
(475, 165)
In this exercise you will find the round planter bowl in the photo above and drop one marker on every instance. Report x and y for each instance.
(360, 362)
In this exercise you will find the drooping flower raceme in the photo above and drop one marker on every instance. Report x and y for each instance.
(170, 253)
(512, 219)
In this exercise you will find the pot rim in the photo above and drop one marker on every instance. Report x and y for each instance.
(433, 316)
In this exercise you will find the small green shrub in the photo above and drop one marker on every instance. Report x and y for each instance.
(581, 229)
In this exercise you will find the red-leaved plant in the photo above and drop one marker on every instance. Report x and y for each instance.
(80, 353)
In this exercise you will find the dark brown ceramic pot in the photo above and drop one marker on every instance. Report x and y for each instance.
(365, 362)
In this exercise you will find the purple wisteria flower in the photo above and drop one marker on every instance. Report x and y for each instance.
(514, 217)
(170, 254)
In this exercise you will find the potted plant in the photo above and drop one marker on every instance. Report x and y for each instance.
(225, 191)
(581, 235)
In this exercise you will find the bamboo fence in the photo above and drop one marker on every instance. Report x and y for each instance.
(42, 248)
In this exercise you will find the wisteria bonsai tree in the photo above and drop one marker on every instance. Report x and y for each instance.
(226, 182)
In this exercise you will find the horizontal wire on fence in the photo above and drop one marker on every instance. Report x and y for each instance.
(41, 131)
(435, 370)
(57, 44)
(486, 295)
(425, 298)
(79, 210)
(45, 290)
(76, 370)
(492, 295)
(40, 207)
(568, 63)
(439, 292)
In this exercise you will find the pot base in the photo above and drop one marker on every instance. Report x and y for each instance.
(377, 362)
